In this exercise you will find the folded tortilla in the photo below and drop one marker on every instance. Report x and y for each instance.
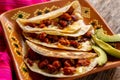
(83, 46)
(84, 29)
(60, 54)
(79, 70)
(72, 28)
(76, 29)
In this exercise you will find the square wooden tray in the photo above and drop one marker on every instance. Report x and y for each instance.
(14, 38)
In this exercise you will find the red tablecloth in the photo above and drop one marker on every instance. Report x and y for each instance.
(5, 60)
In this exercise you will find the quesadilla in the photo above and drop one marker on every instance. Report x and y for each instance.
(57, 66)
(58, 43)
(80, 43)
(50, 52)
(67, 19)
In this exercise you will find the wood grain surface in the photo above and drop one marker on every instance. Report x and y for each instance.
(110, 11)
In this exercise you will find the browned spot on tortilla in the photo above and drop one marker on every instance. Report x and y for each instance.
(60, 46)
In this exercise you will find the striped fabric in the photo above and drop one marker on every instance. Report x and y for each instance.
(5, 66)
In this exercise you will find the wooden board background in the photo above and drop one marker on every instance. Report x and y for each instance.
(110, 11)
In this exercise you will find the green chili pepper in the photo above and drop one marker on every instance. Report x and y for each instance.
(106, 47)
(102, 57)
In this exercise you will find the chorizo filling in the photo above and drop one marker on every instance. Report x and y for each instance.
(55, 65)
(61, 40)
(60, 22)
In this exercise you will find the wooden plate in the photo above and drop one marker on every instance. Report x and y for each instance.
(14, 37)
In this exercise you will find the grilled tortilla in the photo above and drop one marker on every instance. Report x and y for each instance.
(84, 29)
(59, 53)
(35, 64)
(60, 42)
(79, 70)
(59, 36)
(67, 19)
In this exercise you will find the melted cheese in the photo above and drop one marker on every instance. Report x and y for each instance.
(73, 27)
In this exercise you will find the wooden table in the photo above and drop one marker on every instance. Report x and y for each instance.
(110, 11)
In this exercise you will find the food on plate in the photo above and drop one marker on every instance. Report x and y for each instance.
(84, 29)
(81, 43)
(106, 47)
(102, 59)
(105, 37)
(45, 51)
(66, 20)
(60, 44)
(56, 66)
